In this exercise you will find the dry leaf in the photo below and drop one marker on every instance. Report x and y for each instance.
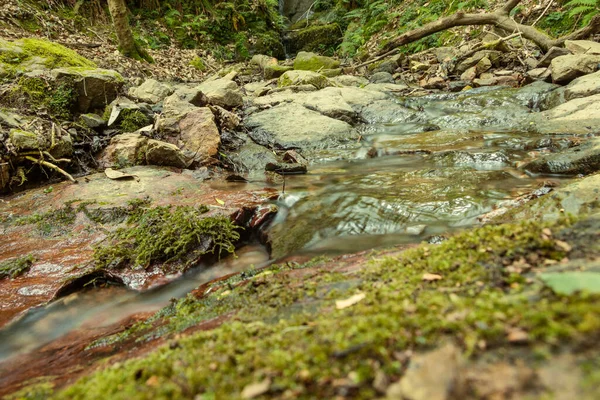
(117, 175)
(517, 336)
(431, 277)
(221, 202)
(256, 389)
(564, 246)
(341, 304)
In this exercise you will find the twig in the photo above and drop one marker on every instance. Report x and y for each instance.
(543, 13)
(52, 166)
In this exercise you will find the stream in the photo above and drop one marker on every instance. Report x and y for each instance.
(400, 183)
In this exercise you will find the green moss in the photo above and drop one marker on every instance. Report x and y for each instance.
(287, 327)
(198, 64)
(167, 234)
(56, 55)
(52, 221)
(132, 120)
(57, 98)
(321, 38)
(16, 266)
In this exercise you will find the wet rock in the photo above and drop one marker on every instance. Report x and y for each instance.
(292, 156)
(222, 92)
(584, 86)
(275, 71)
(331, 103)
(286, 168)
(583, 46)
(436, 375)
(551, 55)
(457, 86)
(381, 77)
(480, 161)
(577, 116)
(151, 91)
(93, 121)
(567, 68)
(307, 61)
(251, 159)
(226, 120)
(199, 135)
(584, 160)
(292, 125)
(290, 78)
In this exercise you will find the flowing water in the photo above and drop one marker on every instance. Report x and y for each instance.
(405, 182)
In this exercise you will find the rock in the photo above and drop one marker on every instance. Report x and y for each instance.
(551, 55)
(583, 47)
(289, 126)
(416, 66)
(392, 88)
(381, 77)
(306, 61)
(25, 140)
(483, 65)
(493, 56)
(432, 376)
(331, 103)
(251, 159)
(263, 61)
(540, 74)
(331, 73)
(95, 87)
(93, 121)
(350, 80)
(469, 75)
(444, 54)
(577, 116)
(222, 92)
(199, 135)
(435, 83)
(303, 78)
(457, 86)
(390, 66)
(584, 160)
(584, 86)
(512, 81)
(124, 150)
(151, 91)
(567, 68)
(313, 38)
(161, 153)
(177, 105)
(226, 120)
(286, 168)
(275, 71)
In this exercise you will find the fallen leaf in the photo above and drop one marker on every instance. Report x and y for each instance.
(564, 246)
(153, 381)
(256, 389)
(431, 277)
(221, 202)
(341, 304)
(118, 175)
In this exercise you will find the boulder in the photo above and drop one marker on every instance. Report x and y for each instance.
(444, 54)
(469, 75)
(93, 121)
(584, 160)
(303, 78)
(381, 77)
(567, 68)
(390, 66)
(289, 126)
(330, 103)
(183, 101)
(540, 74)
(331, 73)
(222, 92)
(584, 86)
(25, 140)
(306, 61)
(350, 80)
(151, 91)
(583, 47)
(124, 150)
(313, 38)
(199, 136)
(577, 116)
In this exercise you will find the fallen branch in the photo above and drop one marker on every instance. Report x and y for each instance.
(500, 19)
(51, 166)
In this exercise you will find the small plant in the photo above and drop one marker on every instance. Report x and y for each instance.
(198, 64)
(15, 267)
(132, 120)
(587, 9)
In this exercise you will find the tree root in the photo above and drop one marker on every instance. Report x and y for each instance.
(51, 166)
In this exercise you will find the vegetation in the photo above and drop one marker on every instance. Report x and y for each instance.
(16, 266)
(167, 234)
(290, 331)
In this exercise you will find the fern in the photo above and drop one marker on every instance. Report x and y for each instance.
(585, 8)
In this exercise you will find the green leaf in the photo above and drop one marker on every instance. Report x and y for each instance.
(571, 282)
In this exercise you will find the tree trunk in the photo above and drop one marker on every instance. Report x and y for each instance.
(499, 18)
(127, 44)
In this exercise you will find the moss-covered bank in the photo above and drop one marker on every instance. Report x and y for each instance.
(478, 289)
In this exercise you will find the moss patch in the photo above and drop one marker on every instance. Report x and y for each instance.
(56, 55)
(132, 120)
(288, 329)
(167, 234)
(15, 267)
(198, 64)
(58, 98)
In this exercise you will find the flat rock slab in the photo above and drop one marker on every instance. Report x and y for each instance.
(64, 253)
(584, 159)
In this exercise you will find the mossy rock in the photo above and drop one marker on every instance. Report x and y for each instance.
(275, 71)
(25, 140)
(295, 78)
(314, 38)
(306, 61)
(331, 73)
(269, 44)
